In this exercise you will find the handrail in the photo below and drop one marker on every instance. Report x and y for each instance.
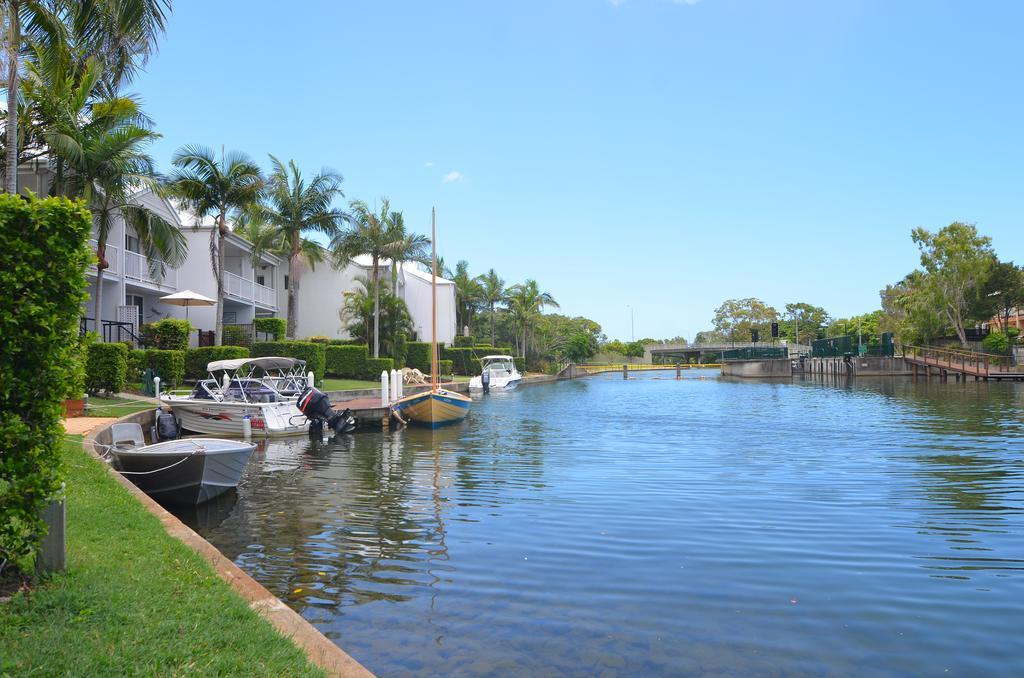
(979, 362)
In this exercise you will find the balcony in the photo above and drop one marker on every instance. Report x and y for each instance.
(113, 258)
(237, 287)
(136, 267)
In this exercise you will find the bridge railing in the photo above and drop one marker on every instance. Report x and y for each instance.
(958, 359)
(595, 368)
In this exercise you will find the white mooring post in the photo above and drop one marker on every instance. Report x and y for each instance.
(310, 379)
(384, 400)
(401, 386)
(393, 386)
(156, 387)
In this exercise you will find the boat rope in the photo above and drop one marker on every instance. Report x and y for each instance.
(106, 455)
(165, 468)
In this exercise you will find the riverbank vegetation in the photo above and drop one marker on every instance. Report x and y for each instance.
(133, 600)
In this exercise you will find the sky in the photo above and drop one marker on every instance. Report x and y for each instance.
(643, 160)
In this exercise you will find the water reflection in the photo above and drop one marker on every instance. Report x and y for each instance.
(656, 526)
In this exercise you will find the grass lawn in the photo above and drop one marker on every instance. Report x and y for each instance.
(134, 600)
(332, 384)
(114, 407)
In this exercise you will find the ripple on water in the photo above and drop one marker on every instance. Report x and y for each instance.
(657, 526)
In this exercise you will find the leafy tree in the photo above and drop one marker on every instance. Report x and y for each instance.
(957, 262)
(912, 311)
(295, 209)
(1003, 291)
(378, 235)
(580, 347)
(492, 292)
(735, 318)
(525, 304)
(614, 346)
(810, 321)
(468, 295)
(634, 349)
(361, 306)
(219, 188)
(102, 145)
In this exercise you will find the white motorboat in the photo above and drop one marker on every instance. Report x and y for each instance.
(187, 471)
(498, 373)
(263, 390)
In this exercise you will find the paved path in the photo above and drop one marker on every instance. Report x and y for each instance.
(80, 426)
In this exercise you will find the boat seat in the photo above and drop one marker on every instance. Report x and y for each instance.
(127, 433)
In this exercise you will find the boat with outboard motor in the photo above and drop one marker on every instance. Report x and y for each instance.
(185, 471)
(257, 396)
(498, 372)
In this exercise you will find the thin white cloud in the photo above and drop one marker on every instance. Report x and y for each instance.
(685, 2)
(428, 164)
(452, 177)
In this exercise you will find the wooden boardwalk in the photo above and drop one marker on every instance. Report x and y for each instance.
(961, 363)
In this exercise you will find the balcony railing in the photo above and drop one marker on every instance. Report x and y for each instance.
(248, 290)
(136, 267)
(113, 255)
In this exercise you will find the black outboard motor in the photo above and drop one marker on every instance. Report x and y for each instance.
(485, 380)
(166, 426)
(315, 404)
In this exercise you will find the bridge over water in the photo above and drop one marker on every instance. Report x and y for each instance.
(684, 353)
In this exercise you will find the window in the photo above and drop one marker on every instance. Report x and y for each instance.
(260, 280)
(286, 281)
(136, 301)
(131, 243)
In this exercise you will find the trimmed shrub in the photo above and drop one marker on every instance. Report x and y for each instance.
(136, 365)
(106, 367)
(464, 342)
(168, 365)
(417, 355)
(520, 363)
(444, 368)
(275, 327)
(347, 361)
(196, 359)
(43, 255)
(169, 334)
(345, 342)
(315, 355)
(374, 366)
(465, 360)
(996, 342)
(400, 350)
(236, 335)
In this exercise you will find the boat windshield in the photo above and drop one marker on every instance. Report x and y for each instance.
(250, 390)
(500, 366)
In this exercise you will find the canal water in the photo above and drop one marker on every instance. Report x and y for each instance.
(656, 526)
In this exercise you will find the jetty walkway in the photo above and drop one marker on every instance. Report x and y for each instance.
(961, 363)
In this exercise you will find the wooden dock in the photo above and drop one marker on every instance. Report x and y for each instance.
(961, 364)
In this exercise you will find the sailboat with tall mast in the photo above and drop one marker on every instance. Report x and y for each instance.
(437, 406)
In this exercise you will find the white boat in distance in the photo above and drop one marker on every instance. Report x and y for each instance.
(500, 370)
(264, 390)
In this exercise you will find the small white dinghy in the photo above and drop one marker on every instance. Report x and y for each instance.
(187, 471)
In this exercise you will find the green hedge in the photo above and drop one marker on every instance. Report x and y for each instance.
(465, 360)
(520, 364)
(417, 355)
(136, 365)
(444, 367)
(374, 366)
(235, 335)
(43, 255)
(347, 361)
(275, 327)
(106, 367)
(315, 355)
(169, 334)
(464, 342)
(196, 359)
(345, 342)
(168, 365)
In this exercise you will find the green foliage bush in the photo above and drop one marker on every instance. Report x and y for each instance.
(315, 355)
(464, 342)
(374, 366)
(169, 334)
(196, 359)
(996, 342)
(136, 365)
(168, 365)
(417, 355)
(106, 367)
(275, 327)
(348, 362)
(444, 368)
(236, 335)
(345, 342)
(520, 363)
(465, 361)
(43, 255)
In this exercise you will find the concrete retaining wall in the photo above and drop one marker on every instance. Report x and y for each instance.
(778, 368)
(868, 366)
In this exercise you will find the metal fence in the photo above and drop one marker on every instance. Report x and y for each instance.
(756, 353)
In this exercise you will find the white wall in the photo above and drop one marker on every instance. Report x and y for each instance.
(416, 292)
(321, 296)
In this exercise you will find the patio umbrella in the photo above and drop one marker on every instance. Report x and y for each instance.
(188, 298)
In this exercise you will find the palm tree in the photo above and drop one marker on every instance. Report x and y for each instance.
(265, 238)
(526, 302)
(295, 209)
(380, 236)
(120, 34)
(467, 294)
(358, 308)
(102, 146)
(492, 292)
(218, 188)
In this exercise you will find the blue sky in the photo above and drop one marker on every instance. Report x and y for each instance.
(647, 153)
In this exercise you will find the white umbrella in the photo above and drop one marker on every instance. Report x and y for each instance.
(188, 298)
